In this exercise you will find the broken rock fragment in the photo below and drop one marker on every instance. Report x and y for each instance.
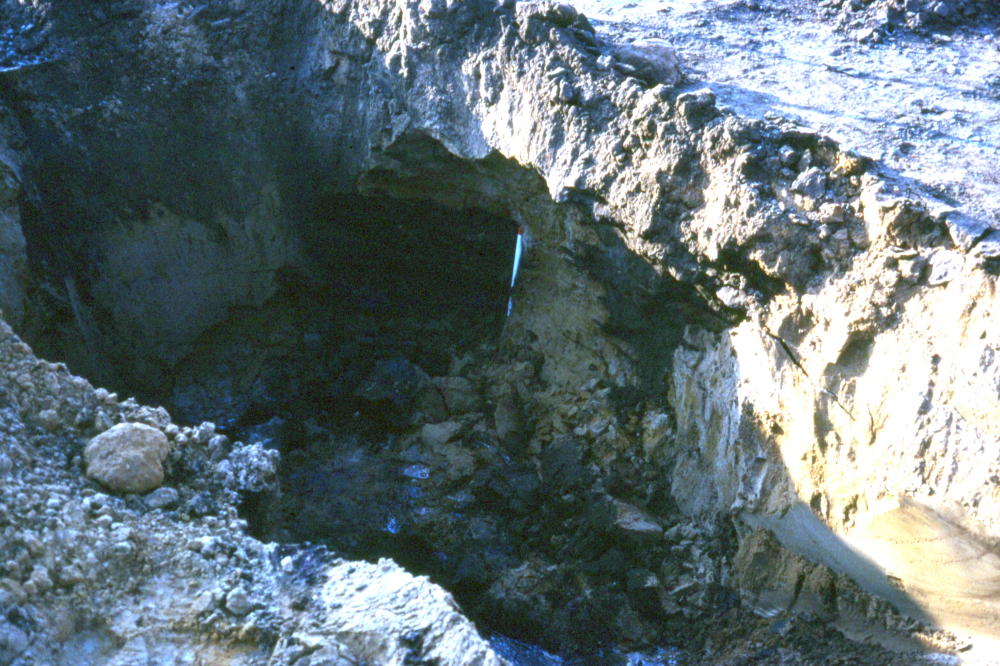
(511, 423)
(697, 107)
(811, 182)
(460, 396)
(945, 266)
(654, 60)
(13, 642)
(128, 458)
(626, 521)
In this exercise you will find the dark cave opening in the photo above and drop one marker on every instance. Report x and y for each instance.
(380, 279)
(390, 295)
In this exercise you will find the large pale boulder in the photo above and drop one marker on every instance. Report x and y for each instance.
(128, 458)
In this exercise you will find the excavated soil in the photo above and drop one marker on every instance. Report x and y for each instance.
(743, 411)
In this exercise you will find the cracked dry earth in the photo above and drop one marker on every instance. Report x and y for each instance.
(745, 410)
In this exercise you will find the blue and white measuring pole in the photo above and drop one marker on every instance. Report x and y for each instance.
(517, 262)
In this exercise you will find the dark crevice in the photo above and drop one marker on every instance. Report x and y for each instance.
(734, 261)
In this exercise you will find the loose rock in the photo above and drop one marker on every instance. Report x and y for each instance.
(626, 521)
(654, 60)
(945, 266)
(460, 396)
(511, 423)
(811, 182)
(238, 602)
(128, 458)
(161, 498)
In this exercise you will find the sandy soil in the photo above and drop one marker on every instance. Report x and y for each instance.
(944, 564)
(927, 106)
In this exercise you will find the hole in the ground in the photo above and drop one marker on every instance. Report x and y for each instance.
(373, 352)
(362, 367)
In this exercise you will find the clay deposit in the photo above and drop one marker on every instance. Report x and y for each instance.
(744, 409)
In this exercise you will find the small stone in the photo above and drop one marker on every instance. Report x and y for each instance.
(788, 156)
(104, 521)
(42, 580)
(627, 521)
(966, 230)
(13, 642)
(563, 92)
(102, 422)
(696, 104)
(249, 630)
(203, 435)
(171, 430)
(805, 161)
(162, 498)
(460, 396)
(49, 419)
(119, 532)
(11, 589)
(128, 458)
(439, 434)
(811, 183)
(654, 60)
(562, 463)
(831, 213)
(945, 266)
(511, 423)
(218, 447)
(83, 418)
(911, 270)
(203, 603)
(34, 545)
(626, 69)
(122, 548)
(865, 35)
(238, 602)
(733, 298)
(70, 576)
